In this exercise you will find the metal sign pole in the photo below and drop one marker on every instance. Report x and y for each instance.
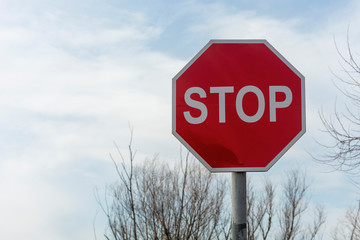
(238, 221)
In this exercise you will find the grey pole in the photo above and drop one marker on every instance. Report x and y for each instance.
(238, 220)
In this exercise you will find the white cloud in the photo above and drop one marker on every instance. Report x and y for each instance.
(60, 107)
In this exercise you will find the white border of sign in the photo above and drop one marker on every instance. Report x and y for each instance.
(287, 147)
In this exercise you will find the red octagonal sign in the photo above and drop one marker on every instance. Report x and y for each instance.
(238, 105)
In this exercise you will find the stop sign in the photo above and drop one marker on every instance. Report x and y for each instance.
(238, 105)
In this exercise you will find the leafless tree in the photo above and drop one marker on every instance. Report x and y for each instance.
(349, 228)
(157, 201)
(282, 216)
(293, 207)
(260, 210)
(344, 128)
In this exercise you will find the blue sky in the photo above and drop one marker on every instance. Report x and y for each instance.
(75, 74)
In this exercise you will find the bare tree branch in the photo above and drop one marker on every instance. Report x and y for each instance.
(344, 127)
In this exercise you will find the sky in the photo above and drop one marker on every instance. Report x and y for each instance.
(76, 75)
